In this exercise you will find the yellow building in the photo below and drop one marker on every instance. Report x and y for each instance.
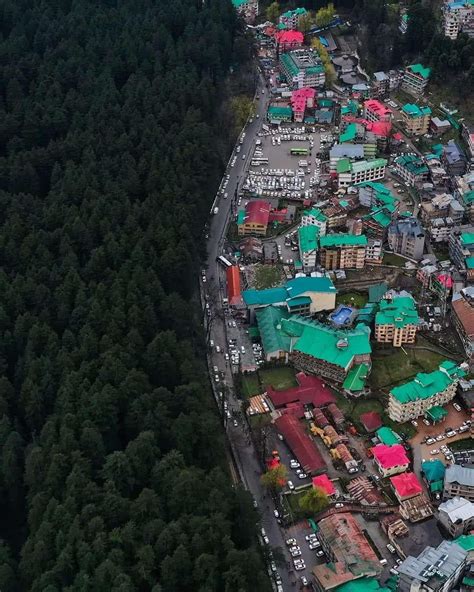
(343, 251)
(397, 321)
(416, 119)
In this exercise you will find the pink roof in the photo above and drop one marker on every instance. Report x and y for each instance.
(257, 211)
(445, 280)
(292, 37)
(390, 456)
(377, 107)
(379, 128)
(406, 485)
(397, 136)
(324, 483)
(300, 443)
(300, 97)
(310, 389)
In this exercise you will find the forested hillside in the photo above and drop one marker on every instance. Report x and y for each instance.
(112, 466)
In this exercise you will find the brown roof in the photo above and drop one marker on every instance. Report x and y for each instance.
(465, 313)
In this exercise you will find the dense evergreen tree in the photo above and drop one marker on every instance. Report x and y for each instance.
(112, 467)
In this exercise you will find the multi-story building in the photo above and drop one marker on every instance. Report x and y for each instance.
(390, 460)
(292, 18)
(248, 9)
(416, 119)
(406, 486)
(302, 67)
(458, 16)
(437, 207)
(411, 169)
(342, 251)
(461, 245)
(462, 313)
(254, 218)
(407, 238)
(301, 99)
(440, 229)
(434, 570)
(314, 217)
(376, 111)
(380, 85)
(308, 245)
(459, 481)
(468, 136)
(412, 399)
(288, 40)
(344, 151)
(415, 79)
(397, 321)
(374, 252)
(352, 173)
(456, 515)
(454, 159)
(279, 113)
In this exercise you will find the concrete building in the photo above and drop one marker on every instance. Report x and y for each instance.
(288, 40)
(415, 79)
(314, 217)
(344, 151)
(454, 159)
(390, 460)
(248, 9)
(291, 19)
(458, 16)
(456, 515)
(462, 308)
(396, 321)
(302, 67)
(374, 252)
(418, 396)
(406, 486)
(254, 218)
(407, 238)
(459, 481)
(376, 111)
(342, 251)
(434, 570)
(416, 119)
(411, 169)
(380, 85)
(308, 246)
(461, 246)
(352, 173)
(301, 99)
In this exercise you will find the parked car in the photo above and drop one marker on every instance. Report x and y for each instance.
(290, 542)
(457, 407)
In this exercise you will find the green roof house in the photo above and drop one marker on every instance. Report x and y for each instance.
(387, 436)
(415, 79)
(396, 321)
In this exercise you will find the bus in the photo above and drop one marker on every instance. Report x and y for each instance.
(299, 151)
(260, 159)
(223, 261)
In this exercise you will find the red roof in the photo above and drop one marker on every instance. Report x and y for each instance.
(390, 456)
(310, 390)
(233, 285)
(324, 483)
(300, 443)
(257, 211)
(406, 485)
(379, 128)
(397, 136)
(300, 97)
(371, 421)
(289, 37)
(378, 108)
(446, 280)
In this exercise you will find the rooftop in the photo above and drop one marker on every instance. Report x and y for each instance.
(419, 70)
(295, 287)
(257, 211)
(459, 474)
(390, 456)
(300, 443)
(355, 380)
(413, 164)
(310, 391)
(269, 319)
(457, 508)
(349, 134)
(323, 482)
(400, 312)
(345, 165)
(315, 213)
(406, 485)
(377, 107)
(308, 238)
(387, 436)
(413, 110)
(433, 470)
(342, 240)
(424, 385)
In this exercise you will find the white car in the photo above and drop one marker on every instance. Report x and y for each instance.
(320, 554)
(302, 475)
(434, 451)
(314, 545)
(300, 566)
(290, 485)
(457, 407)
(294, 464)
(290, 542)
(310, 537)
(276, 513)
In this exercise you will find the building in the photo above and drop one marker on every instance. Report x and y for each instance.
(454, 159)
(301, 99)
(344, 151)
(234, 294)
(406, 486)
(254, 219)
(459, 481)
(314, 217)
(311, 392)
(352, 173)
(462, 313)
(350, 555)
(307, 295)
(456, 515)
(342, 251)
(300, 444)
(374, 252)
(288, 40)
(302, 67)
(412, 399)
(434, 570)
(308, 245)
(390, 460)
(387, 436)
(467, 132)
(461, 246)
(251, 249)
(406, 237)
(415, 79)
(403, 26)
(458, 16)
(277, 114)
(376, 111)
(396, 321)
(248, 9)
(412, 169)
(439, 126)
(291, 19)
(416, 119)
(433, 472)
(380, 85)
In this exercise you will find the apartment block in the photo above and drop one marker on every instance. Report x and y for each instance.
(308, 245)
(342, 251)
(302, 67)
(458, 16)
(397, 321)
(380, 85)
(459, 481)
(291, 19)
(352, 173)
(376, 111)
(411, 169)
(314, 217)
(406, 237)
(456, 515)
(412, 399)
(461, 245)
(374, 252)
(416, 119)
(462, 314)
(248, 9)
(415, 79)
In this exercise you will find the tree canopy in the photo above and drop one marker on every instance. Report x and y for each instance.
(113, 474)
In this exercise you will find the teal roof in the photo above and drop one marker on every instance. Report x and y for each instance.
(437, 413)
(424, 386)
(364, 584)
(308, 238)
(380, 216)
(433, 470)
(400, 312)
(291, 13)
(349, 134)
(342, 240)
(315, 213)
(467, 238)
(376, 291)
(468, 197)
(355, 379)
(269, 320)
(413, 110)
(292, 288)
(387, 436)
(367, 314)
(420, 70)
(343, 165)
(263, 297)
(275, 112)
(240, 217)
(351, 108)
(299, 301)
(466, 542)
(469, 262)
(413, 164)
(238, 3)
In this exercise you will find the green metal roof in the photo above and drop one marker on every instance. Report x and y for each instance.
(238, 3)
(467, 238)
(349, 134)
(424, 385)
(376, 291)
(469, 262)
(380, 216)
(364, 584)
(318, 69)
(269, 320)
(468, 197)
(240, 217)
(367, 314)
(355, 380)
(342, 240)
(387, 436)
(289, 63)
(433, 470)
(437, 486)
(367, 165)
(295, 12)
(420, 70)
(264, 297)
(437, 413)
(292, 288)
(414, 111)
(413, 164)
(351, 108)
(400, 312)
(275, 112)
(298, 301)
(466, 542)
(315, 213)
(343, 165)
(308, 238)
